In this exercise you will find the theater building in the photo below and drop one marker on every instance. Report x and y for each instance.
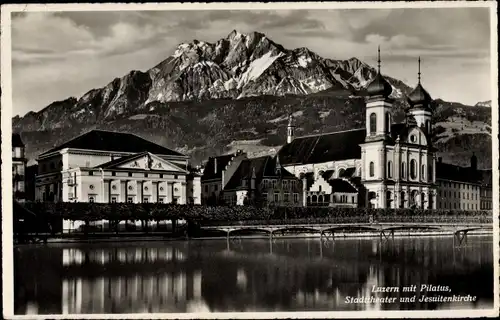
(106, 167)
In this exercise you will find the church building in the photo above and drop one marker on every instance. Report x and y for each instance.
(384, 165)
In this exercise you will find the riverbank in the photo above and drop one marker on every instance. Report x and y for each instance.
(337, 235)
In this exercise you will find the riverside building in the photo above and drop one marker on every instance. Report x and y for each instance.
(106, 167)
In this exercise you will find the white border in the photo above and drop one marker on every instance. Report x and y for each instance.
(6, 70)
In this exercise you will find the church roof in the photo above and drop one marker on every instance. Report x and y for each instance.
(330, 146)
(114, 142)
(419, 96)
(379, 87)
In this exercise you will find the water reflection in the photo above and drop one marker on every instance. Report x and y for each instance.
(246, 275)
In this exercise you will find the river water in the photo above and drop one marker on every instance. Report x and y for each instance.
(250, 275)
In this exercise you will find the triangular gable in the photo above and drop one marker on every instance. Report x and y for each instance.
(145, 161)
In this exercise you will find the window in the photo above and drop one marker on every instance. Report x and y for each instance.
(274, 184)
(285, 184)
(130, 199)
(423, 172)
(372, 169)
(403, 170)
(353, 199)
(145, 200)
(113, 173)
(130, 174)
(388, 122)
(175, 176)
(91, 173)
(113, 199)
(145, 175)
(296, 197)
(161, 175)
(320, 188)
(373, 124)
(161, 200)
(276, 197)
(91, 199)
(287, 197)
(389, 169)
(413, 169)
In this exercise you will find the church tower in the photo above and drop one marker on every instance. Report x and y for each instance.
(378, 107)
(290, 130)
(374, 151)
(420, 105)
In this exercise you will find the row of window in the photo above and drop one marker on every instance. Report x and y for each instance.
(459, 185)
(285, 184)
(315, 199)
(463, 206)
(130, 174)
(454, 194)
(486, 205)
(286, 197)
(413, 170)
(131, 199)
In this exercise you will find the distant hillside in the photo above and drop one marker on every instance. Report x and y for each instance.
(211, 98)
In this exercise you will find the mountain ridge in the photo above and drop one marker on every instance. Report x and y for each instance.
(201, 83)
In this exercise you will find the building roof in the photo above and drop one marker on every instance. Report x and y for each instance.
(209, 171)
(447, 171)
(115, 142)
(486, 177)
(341, 185)
(331, 146)
(17, 141)
(379, 87)
(419, 96)
(264, 167)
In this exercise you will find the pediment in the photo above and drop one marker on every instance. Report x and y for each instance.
(150, 162)
(416, 136)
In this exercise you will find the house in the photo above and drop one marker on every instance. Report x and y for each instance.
(263, 181)
(19, 162)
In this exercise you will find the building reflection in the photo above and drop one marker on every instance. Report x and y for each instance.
(288, 275)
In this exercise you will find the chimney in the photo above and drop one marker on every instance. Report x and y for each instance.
(215, 165)
(473, 162)
(440, 159)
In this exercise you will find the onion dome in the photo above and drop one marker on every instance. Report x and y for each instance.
(419, 96)
(379, 86)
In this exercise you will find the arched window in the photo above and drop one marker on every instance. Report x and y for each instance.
(423, 172)
(402, 200)
(413, 199)
(431, 201)
(320, 188)
(372, 169)
(373, 123)
(314, 199)
(403, 170)
(320, 199)
(389, 169)
(388, 122)
(413, 169)
(341, 173)
(422, 200)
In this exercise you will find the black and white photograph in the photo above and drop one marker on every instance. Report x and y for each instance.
(250, 160)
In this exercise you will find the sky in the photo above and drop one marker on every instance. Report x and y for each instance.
(56, 55)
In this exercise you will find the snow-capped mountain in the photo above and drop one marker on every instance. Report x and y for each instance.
(235, 67)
